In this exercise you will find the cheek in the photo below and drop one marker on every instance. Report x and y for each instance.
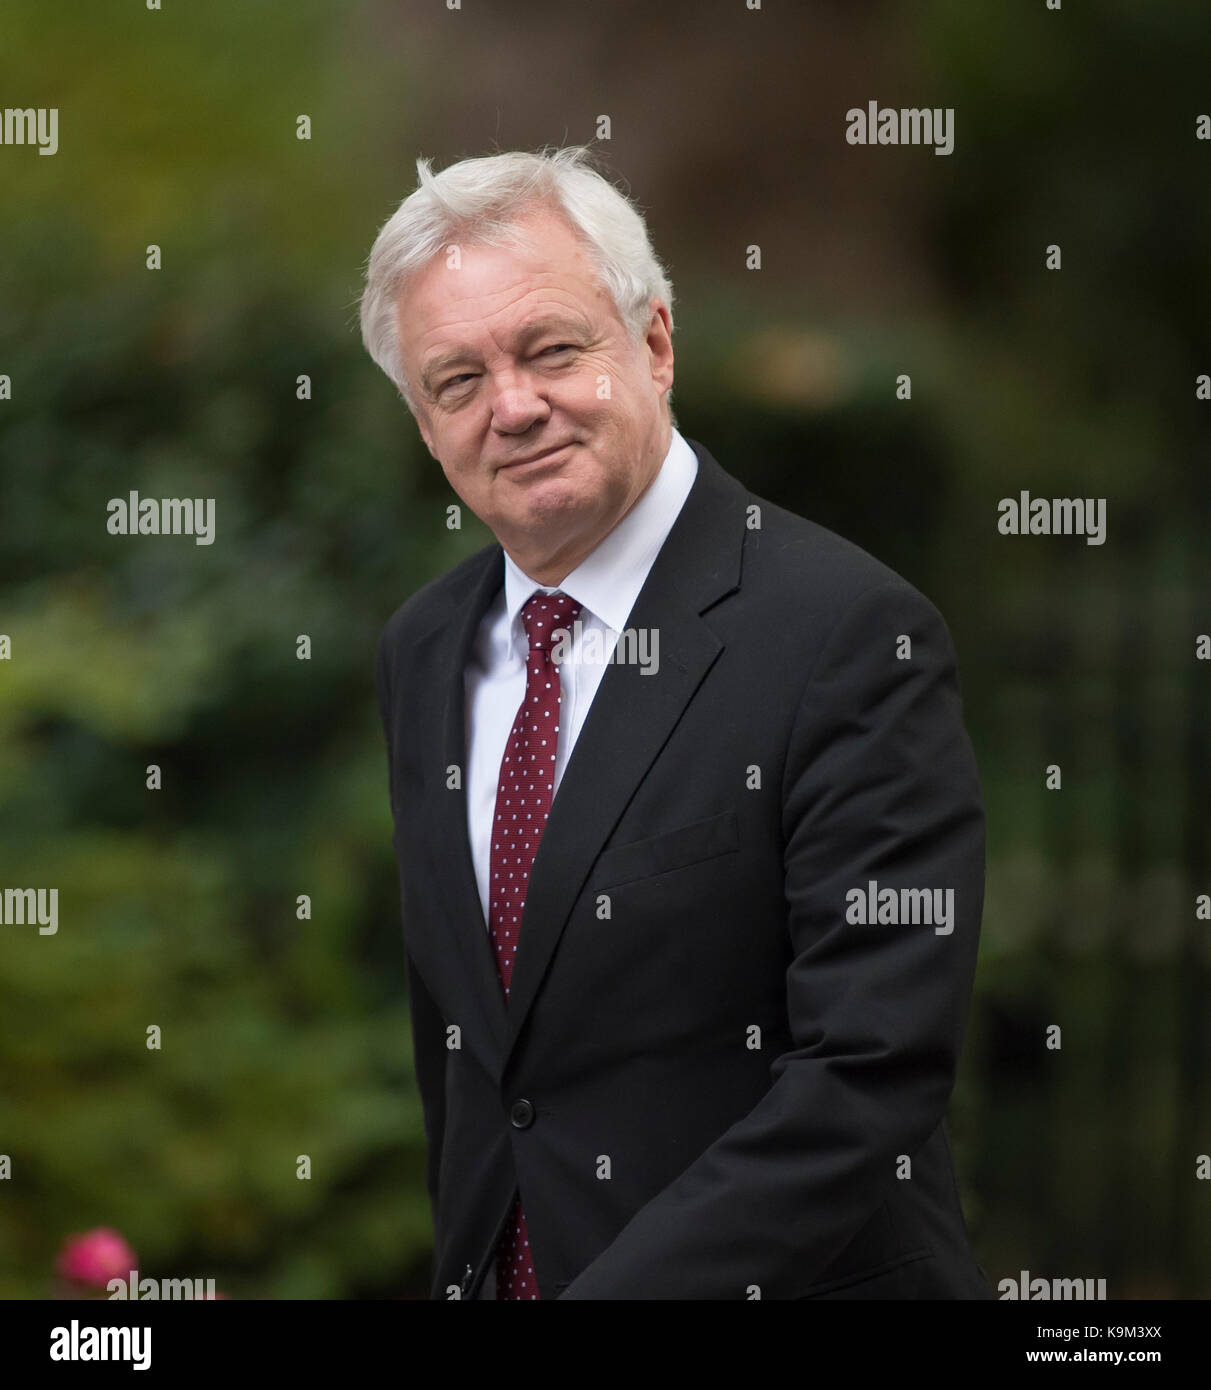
(458, 440)
(595, 377)
(626, 398)
(460, 472)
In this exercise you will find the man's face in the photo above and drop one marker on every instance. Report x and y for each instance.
(516, 354)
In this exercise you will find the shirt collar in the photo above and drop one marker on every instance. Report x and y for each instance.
(607, 581)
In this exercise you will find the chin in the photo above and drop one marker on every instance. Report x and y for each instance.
(558, 498)
(561, 495)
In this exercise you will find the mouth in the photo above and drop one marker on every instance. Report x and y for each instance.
(535, 461)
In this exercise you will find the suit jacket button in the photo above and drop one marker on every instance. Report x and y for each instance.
(522, 1114)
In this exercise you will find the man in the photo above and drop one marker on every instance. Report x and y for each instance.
(689, 831)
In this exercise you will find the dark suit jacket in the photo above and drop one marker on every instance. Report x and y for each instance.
(712, 1091)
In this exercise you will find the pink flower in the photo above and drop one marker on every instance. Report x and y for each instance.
(95, 1258)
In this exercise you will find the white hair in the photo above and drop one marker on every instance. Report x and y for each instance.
(478, 202)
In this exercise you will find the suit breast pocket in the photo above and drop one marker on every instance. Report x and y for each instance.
(674, 849)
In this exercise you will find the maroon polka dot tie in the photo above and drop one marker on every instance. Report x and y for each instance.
(523, 800)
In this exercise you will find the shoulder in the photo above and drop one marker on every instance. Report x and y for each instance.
(790, 560)
(433, 603)
(434, 599)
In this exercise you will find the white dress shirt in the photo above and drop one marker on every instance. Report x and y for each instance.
(606, 584)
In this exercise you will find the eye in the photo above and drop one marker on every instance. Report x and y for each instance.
(557, 347)
(455, 380)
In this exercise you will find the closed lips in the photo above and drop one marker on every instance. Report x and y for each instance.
(535, 457)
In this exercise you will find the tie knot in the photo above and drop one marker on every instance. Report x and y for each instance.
(545, 614)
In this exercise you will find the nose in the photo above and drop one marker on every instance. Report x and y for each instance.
(516, 403)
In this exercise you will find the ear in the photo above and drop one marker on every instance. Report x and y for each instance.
(659, 342)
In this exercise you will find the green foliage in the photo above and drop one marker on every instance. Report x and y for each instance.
(177, 907)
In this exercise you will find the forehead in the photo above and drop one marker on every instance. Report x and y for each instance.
(486, 294)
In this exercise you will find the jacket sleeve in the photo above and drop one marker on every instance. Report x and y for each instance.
(429, 1059)
(428, 1027)
(879, 784)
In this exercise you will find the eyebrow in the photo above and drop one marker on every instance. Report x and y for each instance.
(549, 323)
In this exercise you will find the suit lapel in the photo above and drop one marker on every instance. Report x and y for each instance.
(446, 651)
